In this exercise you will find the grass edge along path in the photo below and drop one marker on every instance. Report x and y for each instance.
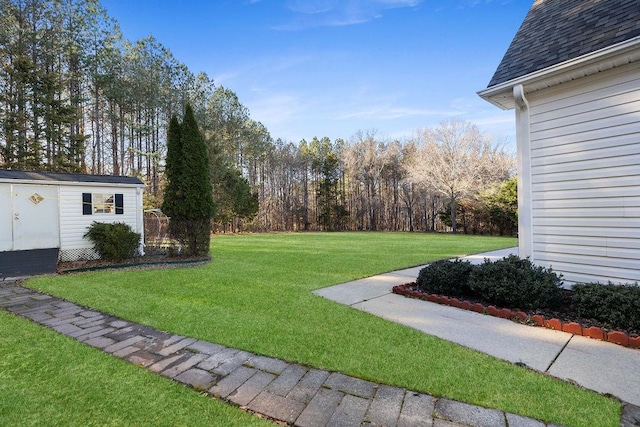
(49, 379)
(256, 295)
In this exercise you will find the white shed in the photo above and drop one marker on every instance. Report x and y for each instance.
(43, 216)
(572, 75)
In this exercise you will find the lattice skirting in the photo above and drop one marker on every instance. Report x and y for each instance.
(77, 254)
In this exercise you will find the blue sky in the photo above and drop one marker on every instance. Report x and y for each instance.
(308, 68)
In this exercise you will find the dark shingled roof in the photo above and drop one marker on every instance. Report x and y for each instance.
(68, 177)
(555, 31)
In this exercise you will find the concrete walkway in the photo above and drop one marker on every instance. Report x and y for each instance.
(596, 365)
(283, 391)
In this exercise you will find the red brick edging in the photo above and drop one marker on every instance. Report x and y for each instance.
(594, 332)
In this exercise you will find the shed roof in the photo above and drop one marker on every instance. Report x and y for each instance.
(555, 31)
(68, 177)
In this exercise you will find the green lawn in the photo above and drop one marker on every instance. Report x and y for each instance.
(47, 379)
(256, 295)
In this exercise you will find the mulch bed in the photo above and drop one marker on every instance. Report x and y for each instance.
(563, 318)
(151, 261)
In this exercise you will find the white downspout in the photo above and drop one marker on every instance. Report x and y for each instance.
(523, 137)
(140, 217)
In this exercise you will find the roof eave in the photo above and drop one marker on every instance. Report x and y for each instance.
(501, 95)
(70, 183)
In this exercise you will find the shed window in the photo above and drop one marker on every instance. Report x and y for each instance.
(102, 203)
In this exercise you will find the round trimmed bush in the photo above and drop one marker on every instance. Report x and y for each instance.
(516, 283)
(446, 277)
(113, 241)
(615, 304)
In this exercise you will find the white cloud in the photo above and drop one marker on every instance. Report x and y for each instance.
(274, 108)
(262, 66)
(220, 79)
(332, 13)
(392, 113)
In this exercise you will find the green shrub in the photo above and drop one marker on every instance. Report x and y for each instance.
(615, 304)
(113, 242)
(446, 277)
(516, 283)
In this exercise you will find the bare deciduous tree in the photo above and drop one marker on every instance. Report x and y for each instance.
(457, 160)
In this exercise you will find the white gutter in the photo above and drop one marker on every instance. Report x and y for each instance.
(616, 55)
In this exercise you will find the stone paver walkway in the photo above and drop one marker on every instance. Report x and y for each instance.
(288, 392)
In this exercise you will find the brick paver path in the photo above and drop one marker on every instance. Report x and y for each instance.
(288, 392)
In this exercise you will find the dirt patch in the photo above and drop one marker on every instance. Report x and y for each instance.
(151, 261)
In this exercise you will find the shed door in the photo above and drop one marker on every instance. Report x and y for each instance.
(35, 217)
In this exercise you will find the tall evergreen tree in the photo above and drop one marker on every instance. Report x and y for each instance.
(173, 168)
(188, 195)
(331, 214)
(198, 201)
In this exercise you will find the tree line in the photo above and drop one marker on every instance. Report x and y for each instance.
(448, 178)
(76, 96)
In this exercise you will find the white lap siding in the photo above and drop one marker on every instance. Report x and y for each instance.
(73, 224)
(585, 176)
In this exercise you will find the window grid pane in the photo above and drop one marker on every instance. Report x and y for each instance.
(103, 203)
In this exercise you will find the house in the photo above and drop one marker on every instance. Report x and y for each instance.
(43, 216)
(572, 75)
